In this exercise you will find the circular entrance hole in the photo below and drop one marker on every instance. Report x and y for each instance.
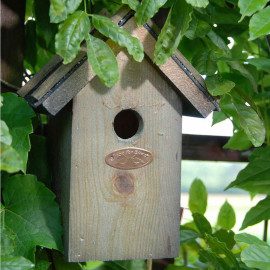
(127, 123)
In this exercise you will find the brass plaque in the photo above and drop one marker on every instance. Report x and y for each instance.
(129, 158)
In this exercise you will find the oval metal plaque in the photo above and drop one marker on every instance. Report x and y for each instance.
(129, 158)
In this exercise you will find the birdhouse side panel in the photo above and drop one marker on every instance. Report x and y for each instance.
(59, 133)
(120, 212)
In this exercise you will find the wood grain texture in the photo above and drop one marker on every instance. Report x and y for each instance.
(132, 214)
(59, 134)
(180, 56)
(172, 71)
(54, 71)
(72, 85)
(47, 69)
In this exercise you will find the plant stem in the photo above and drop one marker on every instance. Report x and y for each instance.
(185, 257)
(265, 228)
(85, 9)
(149, 264)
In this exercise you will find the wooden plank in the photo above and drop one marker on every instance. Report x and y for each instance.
(40, 75)
(72, 85)
(63, 70)
(64, 82)
(139, 218)
(172, 71)
(200, 147)
(59, 133)
(52, 80)
(42, 83)
(180, 56)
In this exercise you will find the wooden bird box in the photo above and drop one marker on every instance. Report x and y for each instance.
(116, 152)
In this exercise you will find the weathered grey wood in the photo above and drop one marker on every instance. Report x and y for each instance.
(40, 88)
(172, 71)
(58, 74)
(37, 78)
(59, 134)
(72, 85)
(107, 221)
(180, 56)
(61, 86)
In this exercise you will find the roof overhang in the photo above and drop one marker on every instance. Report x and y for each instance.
(56, 84)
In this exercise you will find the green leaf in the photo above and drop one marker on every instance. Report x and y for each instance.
(72, 5)
(7, 241)
(102, 60)
(225, 236)
(257, 256)
(251, 123)
(45, 30)
(240, 81)
(15, 263)
(60, 9)
(255, 177)
(248, 7)
(39, 48)
(202, 223)
(57, 7)
(249, 239)
(239, 67)
(131, 3)
(226, 216)
(38, 161)
(228, 108)
(221, 248)
(92, 265)
(31, 214)
(258, 213)
(71, 33)
(260, 153)
(42, 259)
(28, 9)
(198, 3)
(239, 141)
(60, 263)
(147, 9)
(189, 47)
(175, 27)
(216, 85)
(42, 265)
(10, 160)
(212, 258)
(197, 28)
(5, 136)
(176, 267)
(106, 27)
(260, 63)
(219, 42)
(187, 235)
(17, 114)
(125, 265)
(197, 197)
(259, 24)
(111, 6)
(205, 62)
(218, 117)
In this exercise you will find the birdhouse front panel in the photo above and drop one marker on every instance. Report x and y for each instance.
(121, 198)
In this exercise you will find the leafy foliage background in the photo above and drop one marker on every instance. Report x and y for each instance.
(238, 74)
